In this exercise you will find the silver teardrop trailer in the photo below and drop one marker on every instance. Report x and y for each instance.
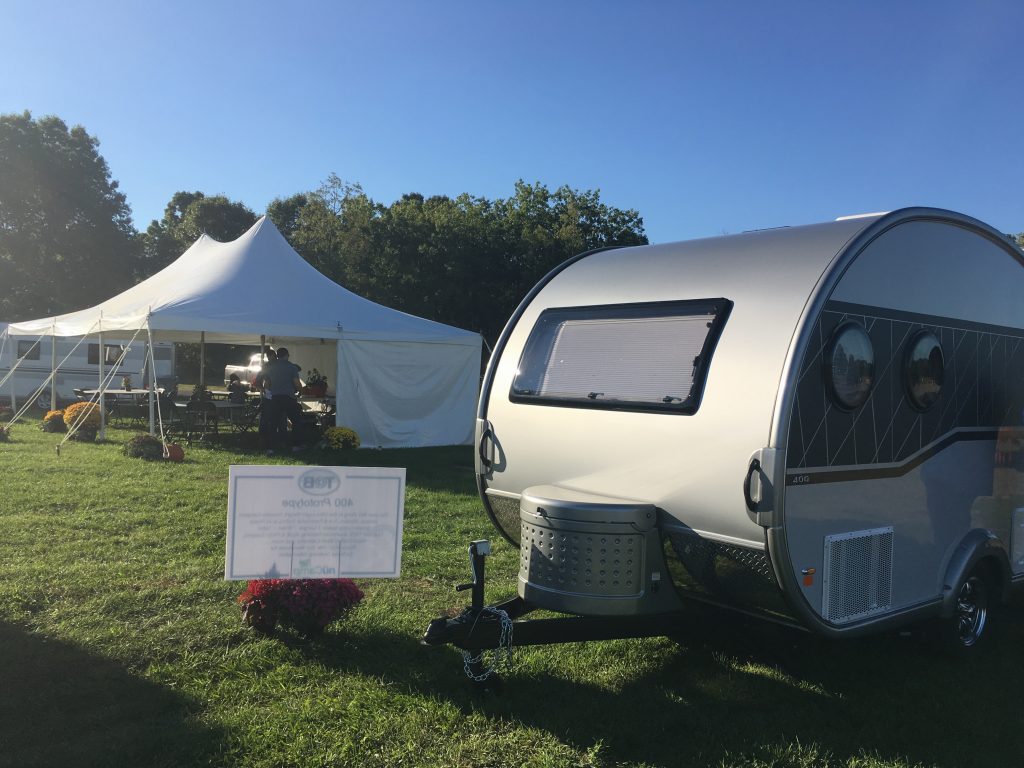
(819, 424)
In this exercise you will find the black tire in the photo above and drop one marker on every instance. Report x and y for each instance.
(972, 608)
(43, 400)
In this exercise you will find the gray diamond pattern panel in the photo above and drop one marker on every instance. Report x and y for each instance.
(982, 388)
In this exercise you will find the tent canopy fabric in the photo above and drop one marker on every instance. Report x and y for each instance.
(401, 380)
(236, 291)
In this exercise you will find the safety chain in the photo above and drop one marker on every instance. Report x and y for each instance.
(502, 654)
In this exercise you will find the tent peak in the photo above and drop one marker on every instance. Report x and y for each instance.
(263, 222)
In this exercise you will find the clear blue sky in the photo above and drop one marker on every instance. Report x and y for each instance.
(707, 117)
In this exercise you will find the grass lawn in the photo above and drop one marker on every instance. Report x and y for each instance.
(121, 645)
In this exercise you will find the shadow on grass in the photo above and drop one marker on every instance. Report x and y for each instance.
(62, 706)
(446, 468)
(739, 691)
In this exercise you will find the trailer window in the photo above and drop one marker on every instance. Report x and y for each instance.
(924, 370)
(113, 352)
(28, 350)
(161, 353)
(648, 357)
(850, 366)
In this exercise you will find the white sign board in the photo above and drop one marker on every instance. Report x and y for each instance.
(314, 522)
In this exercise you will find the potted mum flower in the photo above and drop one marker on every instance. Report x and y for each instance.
(316, 384)
(305, 605)
(143, 446)
(53, 421)
(85, 418)
(339, 439)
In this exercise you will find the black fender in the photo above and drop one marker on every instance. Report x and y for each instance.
(979, 544)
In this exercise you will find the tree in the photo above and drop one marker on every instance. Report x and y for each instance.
(541, 229)
(66, 234)
(187, 216)
(465, 261)
(287, 213)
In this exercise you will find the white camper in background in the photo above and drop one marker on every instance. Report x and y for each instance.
(819, 424)
(80, 370)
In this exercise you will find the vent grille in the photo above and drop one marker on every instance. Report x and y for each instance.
(585, 563)
(858, 574)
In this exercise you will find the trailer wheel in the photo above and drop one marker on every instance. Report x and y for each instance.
(43, 400)
(971, 608)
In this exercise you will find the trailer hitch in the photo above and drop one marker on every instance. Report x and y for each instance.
(480, 627)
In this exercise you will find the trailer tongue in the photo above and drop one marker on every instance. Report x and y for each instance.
(501, 626)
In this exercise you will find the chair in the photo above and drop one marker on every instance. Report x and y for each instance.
(131, 410)
(200, 420)
(173, 417)
(247, 418)
(325, 418)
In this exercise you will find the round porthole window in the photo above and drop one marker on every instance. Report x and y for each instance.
(850, 366)
(924, 370)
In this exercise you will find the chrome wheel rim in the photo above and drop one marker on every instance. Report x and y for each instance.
(971, 611)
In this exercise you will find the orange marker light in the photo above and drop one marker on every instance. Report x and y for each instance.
(808, 574)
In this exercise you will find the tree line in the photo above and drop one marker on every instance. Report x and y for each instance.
(67, 240)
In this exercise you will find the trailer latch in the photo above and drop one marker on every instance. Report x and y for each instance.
(759, 485)
(484, 446)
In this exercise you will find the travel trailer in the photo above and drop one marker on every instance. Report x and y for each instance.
(78, 365)
(820, 425)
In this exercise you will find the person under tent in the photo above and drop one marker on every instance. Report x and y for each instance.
(236, 389)
(260, 383)
(282, 379)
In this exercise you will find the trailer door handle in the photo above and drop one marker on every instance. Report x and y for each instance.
(485, 446)
(755, 467)
(759, 491)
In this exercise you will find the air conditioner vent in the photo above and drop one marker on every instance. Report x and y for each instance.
(858, 574)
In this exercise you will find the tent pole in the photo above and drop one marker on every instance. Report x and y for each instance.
(337, 383)
(53, 368)
(149, 366)
(10, 381)
(102, 398)
(202, 358)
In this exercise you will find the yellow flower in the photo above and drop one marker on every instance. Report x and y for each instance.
(88, 412)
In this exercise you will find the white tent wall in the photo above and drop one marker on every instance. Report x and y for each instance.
(408, 394)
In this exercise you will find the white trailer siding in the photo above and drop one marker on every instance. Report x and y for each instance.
(689, 465)
(78, 366)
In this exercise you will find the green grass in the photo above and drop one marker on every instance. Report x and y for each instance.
(120, 644)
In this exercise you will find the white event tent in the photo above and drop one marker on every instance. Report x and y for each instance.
(401, 381)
